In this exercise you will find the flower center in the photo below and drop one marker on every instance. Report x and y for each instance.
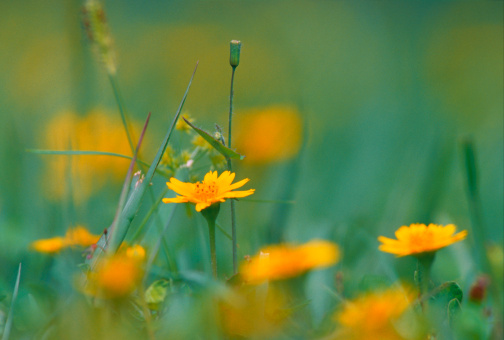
(205, 191)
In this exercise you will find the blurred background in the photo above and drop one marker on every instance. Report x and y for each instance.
(355, 111)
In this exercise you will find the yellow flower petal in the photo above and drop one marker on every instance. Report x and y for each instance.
(284, 261)
(213, 189)
(419, 238)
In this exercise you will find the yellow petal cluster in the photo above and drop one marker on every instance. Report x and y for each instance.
(212, 190)
(117, 275)
(78, 236)
(182, 125)
(372, 315)
(285, 261)
(419, 238)
(98, 130)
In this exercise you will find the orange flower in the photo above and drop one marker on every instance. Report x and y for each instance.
(49, 246)
(372, 315)
(78, 236)
(284, 261)
(212, 190)
(117, 275)
(419, 238)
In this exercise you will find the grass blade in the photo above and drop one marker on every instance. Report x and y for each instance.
(8, 323)
(224, 150)
(133, 202)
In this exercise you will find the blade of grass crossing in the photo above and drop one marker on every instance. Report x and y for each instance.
(132, 204)
(8, 323)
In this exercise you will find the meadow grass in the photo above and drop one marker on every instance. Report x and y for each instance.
(283, 231)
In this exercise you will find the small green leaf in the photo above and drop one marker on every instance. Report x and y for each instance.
(156, 293)
(225, 151)
(453, 309)
(447, 292)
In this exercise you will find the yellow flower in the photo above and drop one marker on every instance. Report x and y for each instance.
(372, 315)
(212, 190)
(268, 135)
(97, 131)
(78, 236)
(182, 125)
(117, 275)
(419, 238)
(284, 261)
(49, 246)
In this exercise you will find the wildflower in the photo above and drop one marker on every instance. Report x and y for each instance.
(419, 238)
(373, 315)
(49, 246)
(286, 261)
(78, 236)
(212, 190)
(269, 135)
(117, 275)
(97, 131)
(182, 125)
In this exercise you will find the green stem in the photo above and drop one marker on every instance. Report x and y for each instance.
(115, 88)
(213, 255)
(231, 106)
(230, 168)
(424, 266)
(210, 214)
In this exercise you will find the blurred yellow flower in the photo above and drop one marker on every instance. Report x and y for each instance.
(212, 190)
(117, 275)
(49, 246)
(268, 135)
(372, 315)
(419, 238)
(250, 312)
(182, 125)
(285, 261)
(97, 131)
(78, 236)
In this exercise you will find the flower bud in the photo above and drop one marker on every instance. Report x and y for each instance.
(234, 56)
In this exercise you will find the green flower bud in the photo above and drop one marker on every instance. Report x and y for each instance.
(234, 56)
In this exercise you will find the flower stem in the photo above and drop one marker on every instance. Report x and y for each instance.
(423, 272)
(210, 214)
(230, 168)
(213, 255)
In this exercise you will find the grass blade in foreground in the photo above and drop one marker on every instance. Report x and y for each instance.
(126, 216)
(8, 323)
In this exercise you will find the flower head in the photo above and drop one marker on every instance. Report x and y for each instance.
(372, 315)
(182, 125)
(117, 275)
(78, 236)
(419, 238)
(49, 245)
(212, 190)
(285, 261)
